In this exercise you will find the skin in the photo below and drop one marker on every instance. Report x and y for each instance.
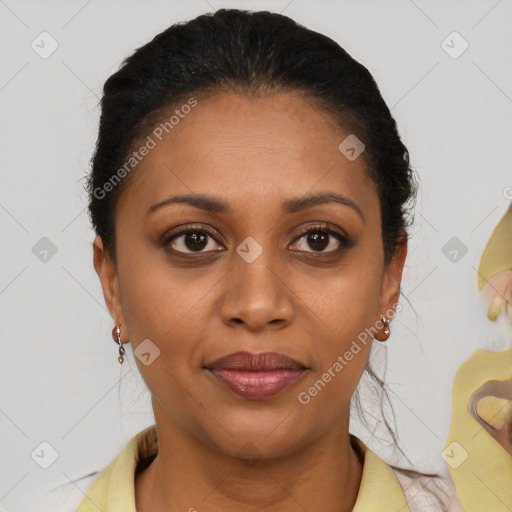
(253, 153)
(498, 294)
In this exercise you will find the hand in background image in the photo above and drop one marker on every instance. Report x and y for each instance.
(495, 270)
(498, 295)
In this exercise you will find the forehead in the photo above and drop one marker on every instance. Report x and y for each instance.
(238, 147)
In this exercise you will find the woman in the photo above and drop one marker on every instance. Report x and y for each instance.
(248, 192)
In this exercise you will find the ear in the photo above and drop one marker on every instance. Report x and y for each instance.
(110, 284)
(392, 279)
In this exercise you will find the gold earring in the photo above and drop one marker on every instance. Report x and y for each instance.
(116, 332)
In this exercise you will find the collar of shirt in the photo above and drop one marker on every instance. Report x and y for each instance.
(113, 489)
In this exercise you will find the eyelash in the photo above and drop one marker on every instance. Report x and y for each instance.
(346, 243)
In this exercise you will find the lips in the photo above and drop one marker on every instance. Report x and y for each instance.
(265, 361)
(256, 376)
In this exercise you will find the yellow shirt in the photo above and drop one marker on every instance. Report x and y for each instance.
(382, 489)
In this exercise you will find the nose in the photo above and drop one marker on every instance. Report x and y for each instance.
(256, 295)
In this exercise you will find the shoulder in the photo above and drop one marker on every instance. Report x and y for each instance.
(428, 493)
(66, 497)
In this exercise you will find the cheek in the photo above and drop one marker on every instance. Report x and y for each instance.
(163, 308)
(343, 305)
(340, 363)
(339, 316)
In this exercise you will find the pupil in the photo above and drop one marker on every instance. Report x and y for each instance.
(198, 241)
(318, 241)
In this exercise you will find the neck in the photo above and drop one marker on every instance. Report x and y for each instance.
(187, 475)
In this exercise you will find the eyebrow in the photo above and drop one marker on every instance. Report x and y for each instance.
(290, 206)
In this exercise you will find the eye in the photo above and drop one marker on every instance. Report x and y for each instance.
(320, 238)
(201, 239)
(193, 239)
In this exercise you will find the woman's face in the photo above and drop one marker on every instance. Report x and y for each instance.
(254, 282)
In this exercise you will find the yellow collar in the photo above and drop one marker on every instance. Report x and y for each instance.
(113, 489)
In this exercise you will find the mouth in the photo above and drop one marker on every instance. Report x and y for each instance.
(256, 376)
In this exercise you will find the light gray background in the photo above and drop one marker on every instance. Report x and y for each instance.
(59, 376)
